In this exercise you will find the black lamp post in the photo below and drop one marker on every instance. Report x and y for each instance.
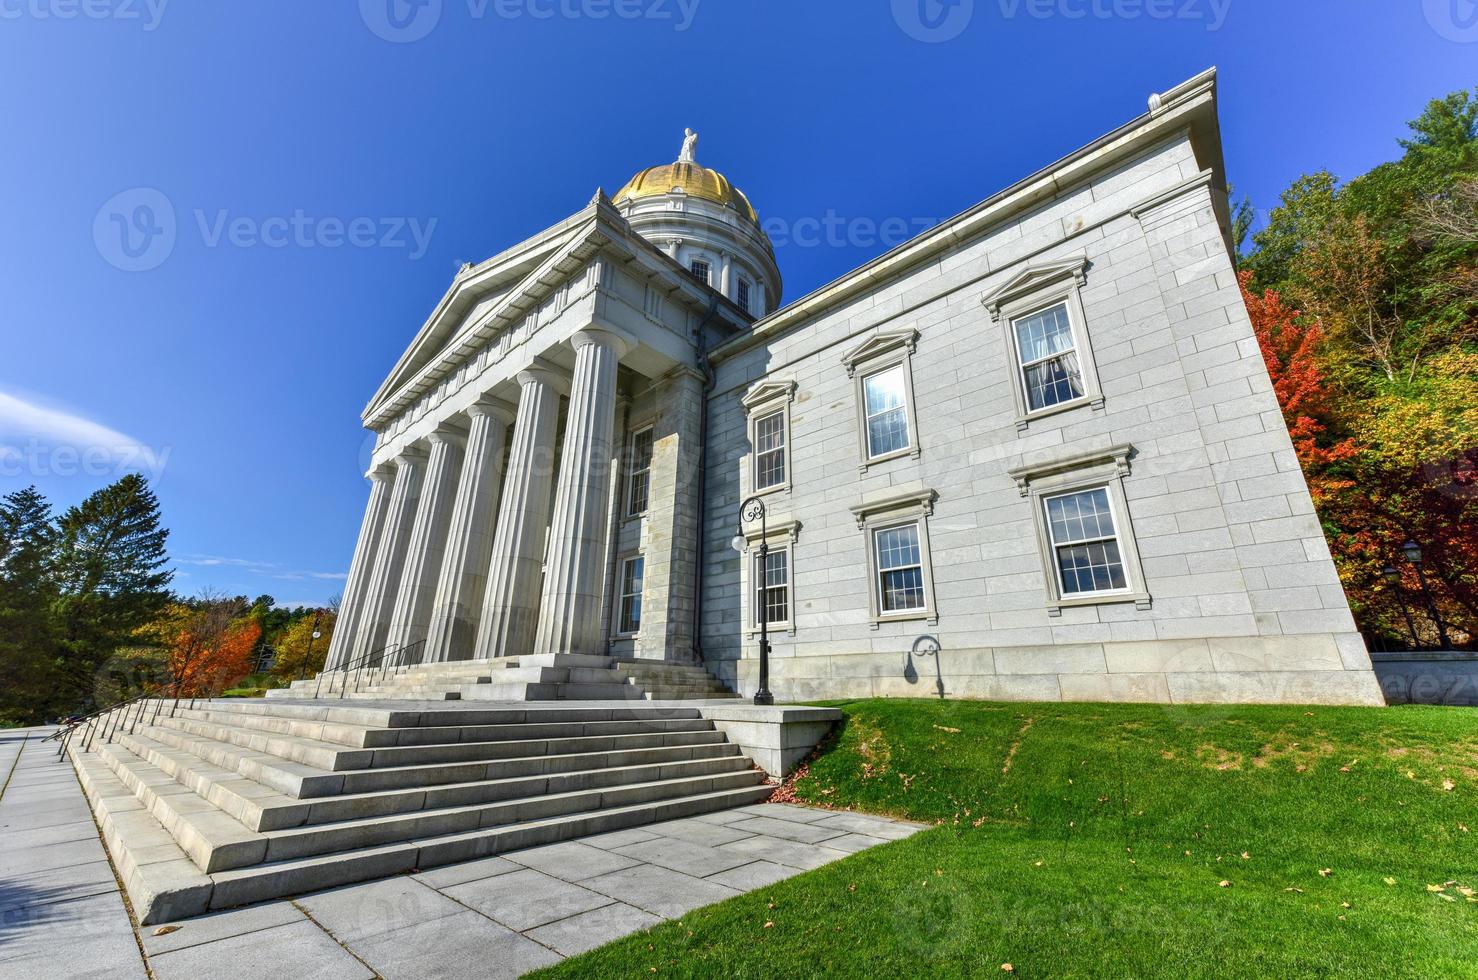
(1413, 552)
(312, 635)
(751, 510)
(1394, 578)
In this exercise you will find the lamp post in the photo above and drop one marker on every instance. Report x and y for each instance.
(751, 510)
(1413, 552)
(1394, 578)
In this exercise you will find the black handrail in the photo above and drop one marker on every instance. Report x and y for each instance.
(392, 656)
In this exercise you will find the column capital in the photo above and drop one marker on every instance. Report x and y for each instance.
(410, 455)
(449, 435)
(494, 408)
(544, 373)
(604, 336)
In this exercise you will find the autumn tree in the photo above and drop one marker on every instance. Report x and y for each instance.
(299, 653)
(208, 644)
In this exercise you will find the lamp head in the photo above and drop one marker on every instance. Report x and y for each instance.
(739, 544)
(1390, 574)
(1413, 552)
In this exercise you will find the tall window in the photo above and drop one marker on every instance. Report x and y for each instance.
(887, 412)
(1085, 542)
(900, 569)
(773, 586)
(741, 295)
(632, 572)
(769, 450)
(1050, 369)
(699, 269)
(639, 472)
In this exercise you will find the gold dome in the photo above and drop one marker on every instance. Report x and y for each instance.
(690, 179)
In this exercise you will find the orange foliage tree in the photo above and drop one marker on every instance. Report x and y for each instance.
(208, 646)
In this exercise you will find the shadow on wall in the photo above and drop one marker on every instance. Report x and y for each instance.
(924, 647)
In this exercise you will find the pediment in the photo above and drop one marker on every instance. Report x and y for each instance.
(878, 345)
(1034, 277)
(768, 391)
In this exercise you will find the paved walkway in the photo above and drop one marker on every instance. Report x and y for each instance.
(500, 916)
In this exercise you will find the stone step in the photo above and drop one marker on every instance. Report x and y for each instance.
(305, 782)
(259, 808)
(165, 885)
(405, 716)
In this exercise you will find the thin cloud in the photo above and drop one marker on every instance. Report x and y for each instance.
(42, 441)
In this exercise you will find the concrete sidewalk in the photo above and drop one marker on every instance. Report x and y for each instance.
(499, 916)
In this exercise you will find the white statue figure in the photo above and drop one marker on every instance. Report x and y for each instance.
(690, 147)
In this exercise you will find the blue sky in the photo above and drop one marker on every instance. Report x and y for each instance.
(328, 165)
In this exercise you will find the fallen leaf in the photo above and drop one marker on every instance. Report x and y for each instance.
(769, 925)
(1446, 897)
(1344, 905)
(1290, 888)
(1325, 872)
(1038, 864)
(1224, 883)
(1389, 881)
(1448, 785)
(1464, 891)
(1246, 856)
(946, 728)
(1007, 968)
(166, 930)
(1434, 888)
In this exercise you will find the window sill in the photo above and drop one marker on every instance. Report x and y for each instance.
(1141, 601)
(886, 457)
(912, 616)
(1094, 401)
(768, 491)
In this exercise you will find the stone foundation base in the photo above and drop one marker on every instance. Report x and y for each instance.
(1315, 669)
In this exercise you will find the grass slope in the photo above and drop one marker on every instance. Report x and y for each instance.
(1093, 841)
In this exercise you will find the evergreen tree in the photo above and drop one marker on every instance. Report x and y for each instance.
(111, 576)
(27, 603)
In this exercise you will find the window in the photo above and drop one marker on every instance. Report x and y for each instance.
(1050, 372)
(639, 474)
(773, 589)
(741, 295)
(632, 571)
(1041, 311)
(882, 369)
(900, 569)
(769, 451)
(767, 414)
(700, 270)
(1083, 527)
(895, 526)
(1085, 543)
(887, 412)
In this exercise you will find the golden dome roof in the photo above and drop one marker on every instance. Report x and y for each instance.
(690, 179)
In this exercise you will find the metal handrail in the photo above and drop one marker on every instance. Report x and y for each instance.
(377, 662)
(108, 720)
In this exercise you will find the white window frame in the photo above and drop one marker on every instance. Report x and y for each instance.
(763, 401)
(759, 586)
(1056, 545)
(707, 277)
(743, 291)
(885, 351)
(632, 472)
(782, 536)
(1034, 290)
(913, 507)
(1102, 469)
(618, 621)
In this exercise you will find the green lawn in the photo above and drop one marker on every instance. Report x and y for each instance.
(1118, 841)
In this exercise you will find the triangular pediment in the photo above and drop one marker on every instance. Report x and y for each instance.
(768, 391)
(1035, 276)
(880, 344)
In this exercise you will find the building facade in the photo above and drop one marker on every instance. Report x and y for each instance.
(1033, 453)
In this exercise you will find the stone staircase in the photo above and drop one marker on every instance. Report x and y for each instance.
(548, 677)
(212, 805)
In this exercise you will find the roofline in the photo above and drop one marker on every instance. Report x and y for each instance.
(1191, 104)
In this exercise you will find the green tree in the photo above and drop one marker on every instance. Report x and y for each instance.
(111, 578)
(27, 601)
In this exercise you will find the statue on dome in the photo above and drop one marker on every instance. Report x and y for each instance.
(689, 152)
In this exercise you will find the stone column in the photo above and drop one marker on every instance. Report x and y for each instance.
(510, 605)
(469, 543)
(674, 509)
(405, 495)
(423, 557)
(569, 612)
(351, 606)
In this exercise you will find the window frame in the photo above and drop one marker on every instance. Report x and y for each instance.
(883, 352)
(618, 620)
(1056, 545)
(629, 511)
(761, 402)
(780, 536)
(707, 277)
(1103, 469)
(1035, 290)
(742, 294)
(913, 507)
